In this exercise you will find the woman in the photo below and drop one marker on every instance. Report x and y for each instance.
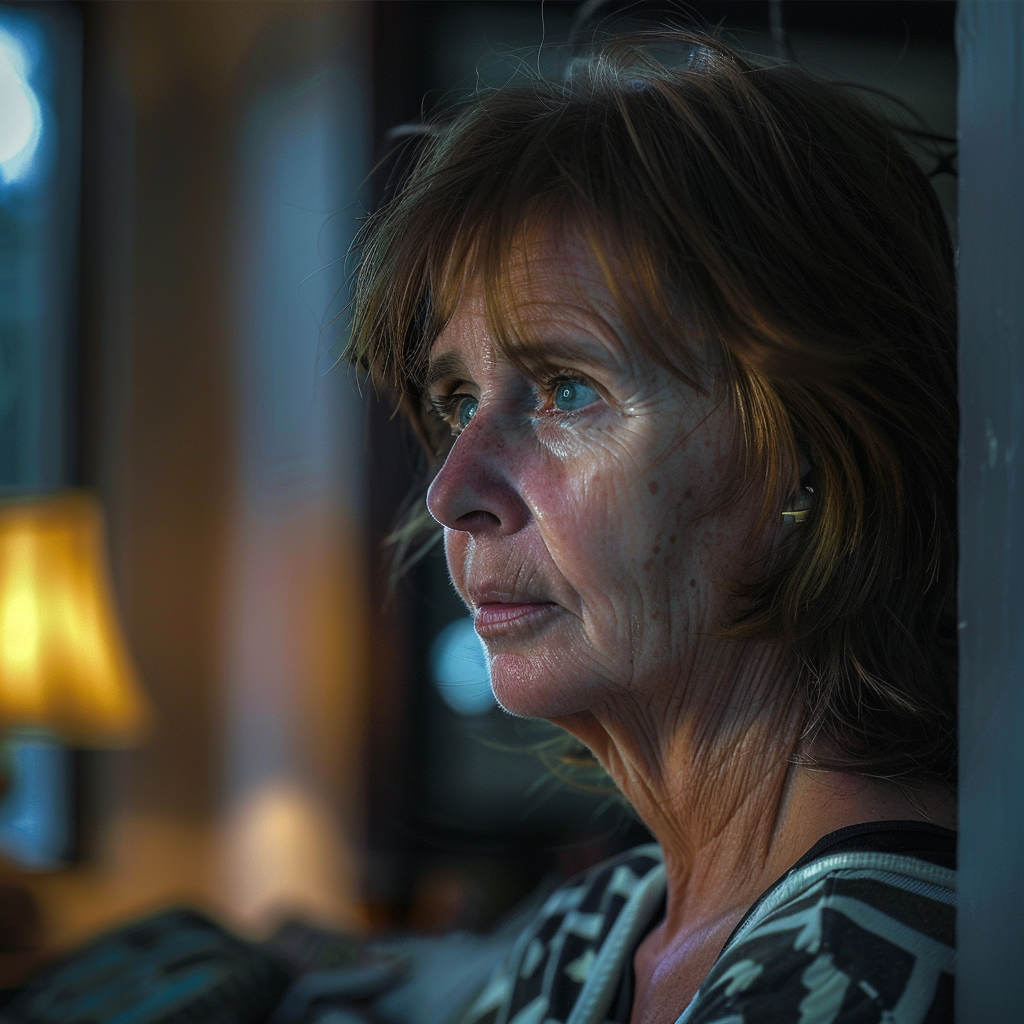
(679, 335)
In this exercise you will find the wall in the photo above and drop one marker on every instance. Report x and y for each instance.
(990, 38)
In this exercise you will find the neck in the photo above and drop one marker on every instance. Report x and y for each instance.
(725, 795)
(708, 765)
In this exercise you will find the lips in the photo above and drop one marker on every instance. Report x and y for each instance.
(501, 612)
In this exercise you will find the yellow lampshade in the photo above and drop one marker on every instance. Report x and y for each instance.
(63, 661)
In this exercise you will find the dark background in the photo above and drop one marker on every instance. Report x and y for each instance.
(301, 758)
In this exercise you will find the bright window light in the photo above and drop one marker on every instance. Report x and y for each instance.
(21, 119)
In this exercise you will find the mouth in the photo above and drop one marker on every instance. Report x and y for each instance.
(501, 615)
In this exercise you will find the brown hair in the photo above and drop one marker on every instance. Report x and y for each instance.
(778, 219)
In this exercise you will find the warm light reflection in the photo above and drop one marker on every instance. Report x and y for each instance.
(19, 615)
(63, 662)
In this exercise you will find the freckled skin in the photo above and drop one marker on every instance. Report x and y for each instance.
(566, 505)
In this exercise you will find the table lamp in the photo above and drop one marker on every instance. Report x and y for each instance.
(64, 666)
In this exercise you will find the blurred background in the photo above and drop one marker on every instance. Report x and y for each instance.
(277, 731)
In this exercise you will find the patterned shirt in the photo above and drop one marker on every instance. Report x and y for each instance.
(861, 929)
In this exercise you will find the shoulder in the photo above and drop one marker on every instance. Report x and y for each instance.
(851, 937)
(578, 944)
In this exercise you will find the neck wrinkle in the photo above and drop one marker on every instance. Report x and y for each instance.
(709, 771)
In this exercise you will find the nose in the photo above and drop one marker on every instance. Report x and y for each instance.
(475, 490)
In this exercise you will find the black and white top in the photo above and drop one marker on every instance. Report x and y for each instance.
(860, 929)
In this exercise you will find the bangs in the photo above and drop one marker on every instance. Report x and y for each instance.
(486, 184)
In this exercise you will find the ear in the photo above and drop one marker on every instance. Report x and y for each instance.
(801, 500)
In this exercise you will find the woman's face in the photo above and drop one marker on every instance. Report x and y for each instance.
(581, 499)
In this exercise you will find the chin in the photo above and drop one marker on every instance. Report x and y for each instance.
(527, 687)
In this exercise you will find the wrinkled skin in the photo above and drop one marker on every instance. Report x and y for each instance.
(607, 511)
(584, 527)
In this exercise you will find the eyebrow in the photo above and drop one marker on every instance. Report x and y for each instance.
(556, 350)
(528, 353)
(447, 365)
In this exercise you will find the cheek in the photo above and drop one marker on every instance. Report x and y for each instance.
(608, 533)
(575, 507)
(639, 547)
(615, 487)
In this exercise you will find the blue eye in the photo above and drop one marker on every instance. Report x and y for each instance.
(465, 411)
(570, 395)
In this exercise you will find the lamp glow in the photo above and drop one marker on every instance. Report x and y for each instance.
(21, 119)
(63, 662)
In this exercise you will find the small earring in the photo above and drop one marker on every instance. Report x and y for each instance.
(800, 507)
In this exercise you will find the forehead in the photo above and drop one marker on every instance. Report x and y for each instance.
(543, 286)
